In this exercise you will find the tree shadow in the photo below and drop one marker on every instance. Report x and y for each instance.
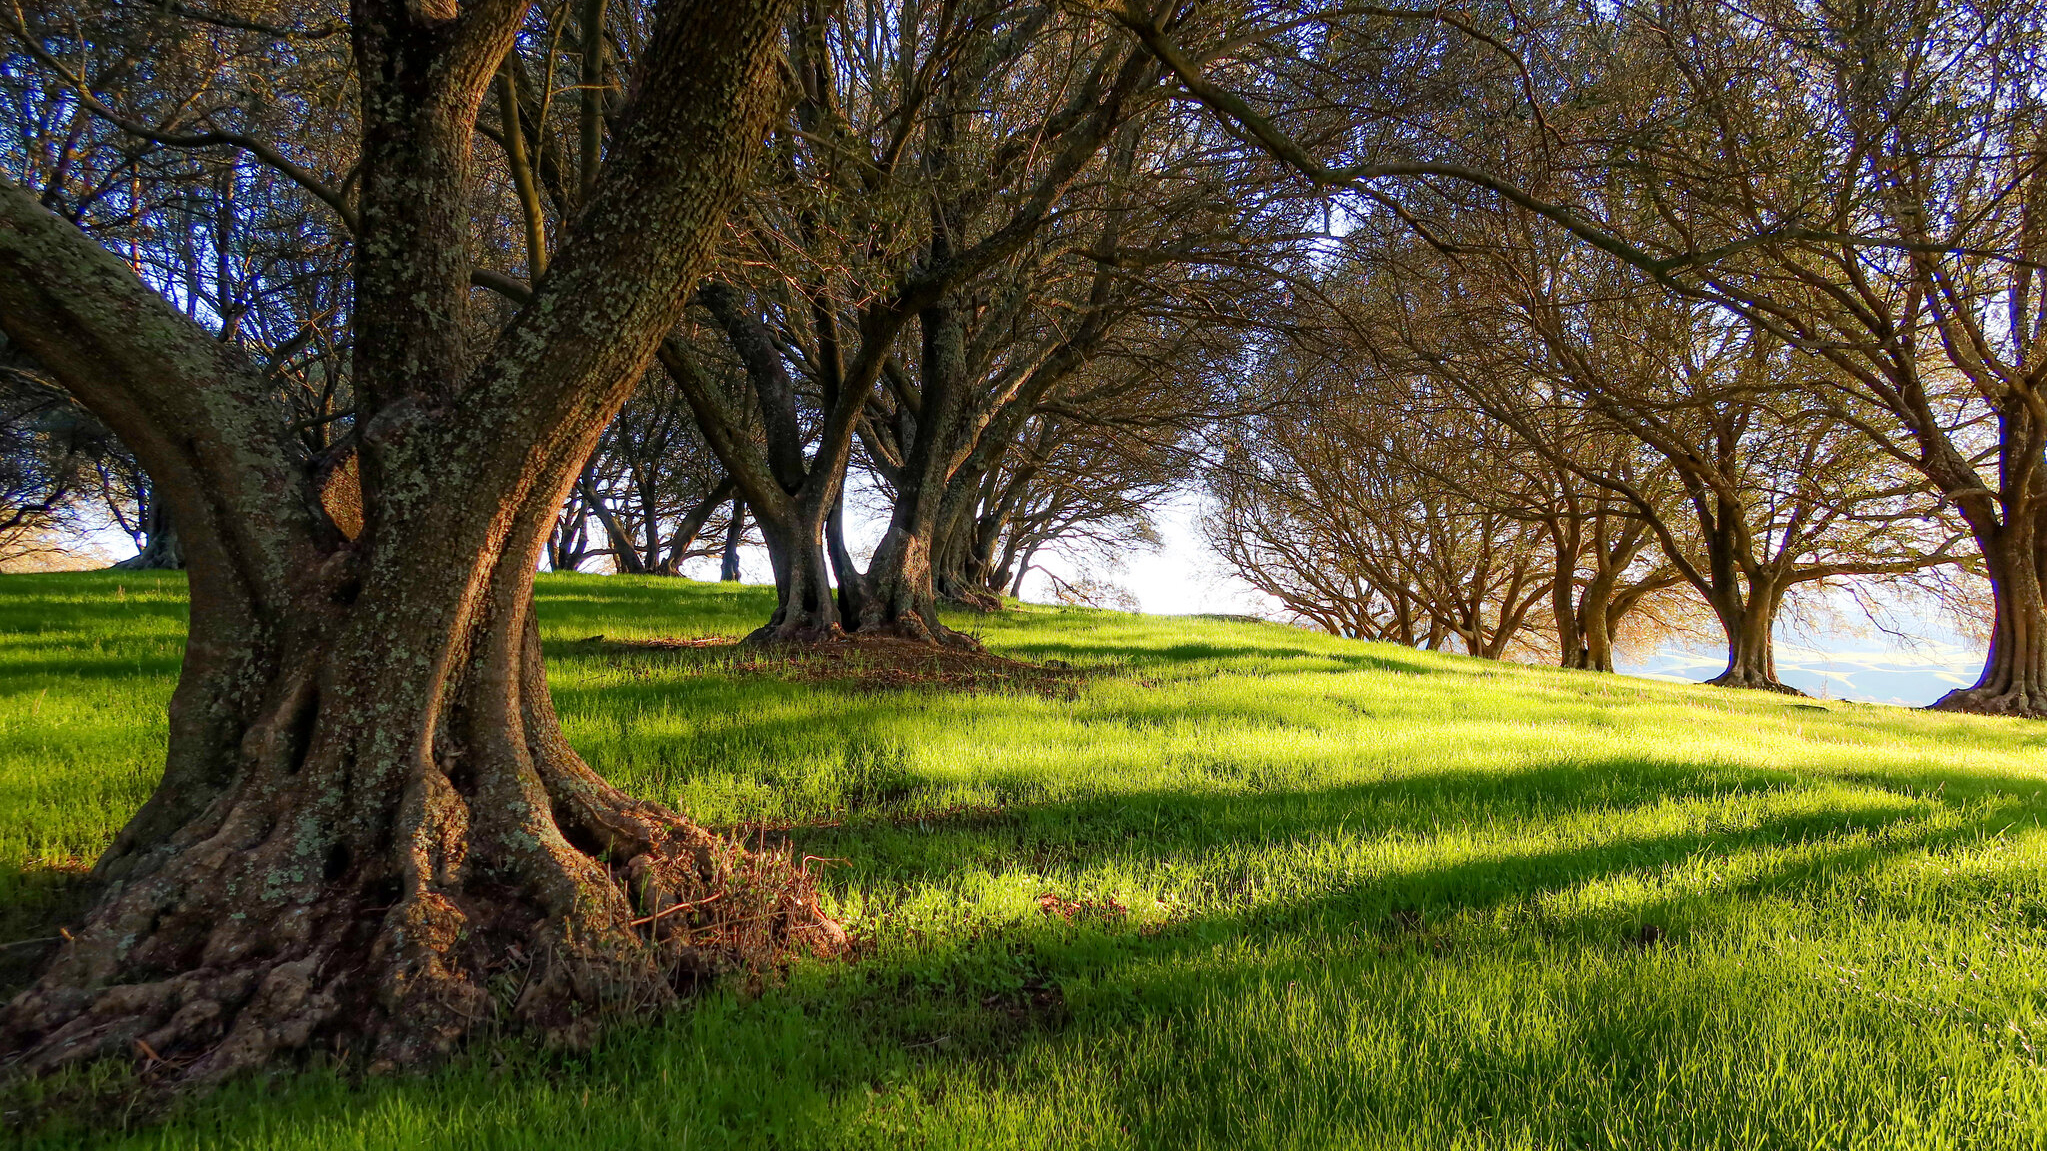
(36, 902)
(1092, 653)
(789, 1065)
(1150, 829)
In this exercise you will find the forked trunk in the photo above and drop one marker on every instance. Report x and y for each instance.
(900, 593)
(372, 837)
(806, 610)
(1592, 624)
(1751, 647)
(959, 573)
(901, 597)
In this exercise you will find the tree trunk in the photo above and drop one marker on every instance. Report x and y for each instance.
(2014, 679)
(901, 595)
(806, 611)
(349, 853)
(735, 531)
(1751, 646)
(902, 600)
(370, 835)
(851, 580)
(161, 550)
(959, 574)
(1595, 621)
(650, 525)
(1023, 568)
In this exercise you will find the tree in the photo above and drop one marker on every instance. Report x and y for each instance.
(921, 173)
(1889, 163)
(1860, 182)
(654, 485)
(367, 808)
(49, 451)
(1769, 495)
(1354, 500)
(1345, 537)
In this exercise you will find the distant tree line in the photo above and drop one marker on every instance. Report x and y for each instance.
(1739, 301)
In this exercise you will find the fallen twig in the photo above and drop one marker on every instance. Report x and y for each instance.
(646, 919)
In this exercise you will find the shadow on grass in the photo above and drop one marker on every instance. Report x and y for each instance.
(1170, 827)
(35, 903)
(784, 1068)
(792, 1067)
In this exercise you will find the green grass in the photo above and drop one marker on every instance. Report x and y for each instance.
(1375, 898)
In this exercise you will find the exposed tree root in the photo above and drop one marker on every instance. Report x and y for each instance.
(912, 627)
(1752, 682)
(974, 599)
(2016, 702)
(867, 663)
(795, 630)
(514, 889)
(403, 985)
(799, 629)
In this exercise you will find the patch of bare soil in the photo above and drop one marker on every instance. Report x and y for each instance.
(877, 663)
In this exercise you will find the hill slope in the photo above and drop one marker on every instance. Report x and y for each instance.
(1219, 884)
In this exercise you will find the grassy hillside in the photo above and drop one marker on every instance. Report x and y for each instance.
(1227, 885)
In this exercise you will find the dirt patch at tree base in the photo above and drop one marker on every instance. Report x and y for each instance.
(863, 663)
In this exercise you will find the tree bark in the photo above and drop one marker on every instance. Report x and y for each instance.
(1748, 623)
(806, 610)
(735, 531)
(1596, 622)
(851, 580)
(161, 550)
(370, 835)
(2014, 677)
(900, 590)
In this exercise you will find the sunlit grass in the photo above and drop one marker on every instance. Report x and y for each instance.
(1357, 896)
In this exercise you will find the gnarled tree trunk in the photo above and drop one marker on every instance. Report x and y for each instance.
(371, 835)
(1748, 623)
(2014, 678)
(900, 591)
(806, 607)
